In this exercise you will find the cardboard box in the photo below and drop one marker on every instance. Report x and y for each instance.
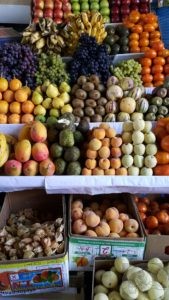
(83, 250)
(17, 277)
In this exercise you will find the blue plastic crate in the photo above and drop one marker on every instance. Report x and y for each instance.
(163, 19)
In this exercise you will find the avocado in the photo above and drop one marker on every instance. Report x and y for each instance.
(78, 137)
(51, 121)
(124, 49)
(121, 30)
(56, 150)
(108, 48)
(123, 41)
(66, 138)
(115, 49)
(73, 168)
(72, 154)
(110, 30)
(83, 126)
(60, 166)
(110, 40)
(52, 134)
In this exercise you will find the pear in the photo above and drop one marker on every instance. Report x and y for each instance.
(58, 102)
(54, 112)
(52, 91)
(37, 98)
(39, 110)
(38, 89)
(66, 109)
(47, 103)
(45, 85)
(64, 87)
(65, 97)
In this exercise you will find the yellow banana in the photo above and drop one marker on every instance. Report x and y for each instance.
(85, 19)
(95, 18)
(10, 139)
(2, 143)
(94, 31)
(4, 156)
(89, 28)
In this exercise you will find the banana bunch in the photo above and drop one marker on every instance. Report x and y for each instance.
(4, 149)
(85, 22)
(44, 35)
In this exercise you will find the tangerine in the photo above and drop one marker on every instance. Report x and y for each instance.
(3, 107)
(143, 42)
(147, 78)
(155, 34)
(3, 119)
(14, 119)
(145, 61)
(137, 28)
(15, 84)
(27, 107)
(27, 118)
(151, 53)
(3, 84)
(134, 36)
(21, 95)
(159, 61)
(8, 95)
(157, 69)
(149, 27)
(15, 107)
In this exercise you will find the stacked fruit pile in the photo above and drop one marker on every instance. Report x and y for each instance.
(128, 68)
(117, 39)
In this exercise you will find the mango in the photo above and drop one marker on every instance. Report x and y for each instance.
(30, 168)
(40, 151)
(13, 167)
(46, 167)
(23, 151)
(38, 132)
(24, 133)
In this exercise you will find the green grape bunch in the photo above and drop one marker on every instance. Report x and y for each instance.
(129, 68)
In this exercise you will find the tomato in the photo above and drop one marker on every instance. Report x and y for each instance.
(135, 50)
(155, 34)
(151, 53)
(134, 36)
(144, 35)
(145, 200)
(133, 43)
(162, 157)
(137, 29)
(142, 216)
(158, 77)
(157, 83)
(156, 69)
(143, 42)
(134, 16)
(151, 222)
(159, 61)
(145, 70)
(154, 206)
(165, 143)
(157, 45)
(150, 18)
(162, 217)
(144, 49)
(147, 78)
(160, 132)
(163, 122)
(166, 69)
(142, 207)
(147, 62)
(164, 206)
(161, 170)
(149, 27)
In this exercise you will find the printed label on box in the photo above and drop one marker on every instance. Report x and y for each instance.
(29, 277)
(82, 252)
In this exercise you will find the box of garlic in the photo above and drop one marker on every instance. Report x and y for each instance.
(120, 278)
(33, 243)
(103, 225)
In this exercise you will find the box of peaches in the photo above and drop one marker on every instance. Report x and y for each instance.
(154, 214)
(103, 225)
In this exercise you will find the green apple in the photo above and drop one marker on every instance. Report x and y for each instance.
(39, 110)
(47, 103)
(104, 3)
(40, 118)
(66, 109)
(105, 11)
(64, 87)
(37, 98)
(52, 91)
(106, 19)
(76, 6)
(94, 1)
(54, 112)
(65, 97)
(74, 1)
(84, 6)
(58, 103)
(51, 121)
(94, 6)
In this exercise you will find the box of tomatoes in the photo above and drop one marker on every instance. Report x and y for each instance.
(154, 214)
(103, 225)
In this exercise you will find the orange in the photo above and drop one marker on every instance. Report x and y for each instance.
(155, 24)
(133, 43)
(21, 95)
(151, 53)
(166, 69)
(163, 53)
(145, 70)
(8, 95)
(150, 17)
(15, 84)
(159, 61)
(135, 50)
(15, 107)
(3, 119)
(0, 96)
(155, 34)
(3, 107)
(158, 77)
(157, 69)
(137, 29)
(27, 118)
(144, 34)
(147, 78)
(14, 119)
(149, 27)
(157, 46)
(27, 107)
(145, 61)
(3, 84)
(134, 36)
(158, 83)
(143, 42)
(152, 41)
(144, 49)
(134, 16)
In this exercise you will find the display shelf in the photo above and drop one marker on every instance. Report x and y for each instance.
(15, 12)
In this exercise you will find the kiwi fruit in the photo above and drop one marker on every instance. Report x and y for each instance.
(81, 94)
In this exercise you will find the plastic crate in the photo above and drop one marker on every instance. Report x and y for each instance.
(163, 15)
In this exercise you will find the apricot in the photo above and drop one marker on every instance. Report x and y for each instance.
(91, 233)
(104, 125)
(106, 142)
(97, 171)
(99, 133)
(77, 203)
(116, 141)
(79, 226)
(131, 225)
(121, 171)
(94, 206)
(109, 172)
(111, 213)
(116, 225)
(132, 235)
(115, 152)
(104, 163)
(114, 235)
(115, 163)
(90, 163)
(92, 154)
(92, 220)
(76, 213)
(123, 233)
(104, 152)
(123, 217)
(102, 229)
(86, 171)
(94, 144)
(110, 132)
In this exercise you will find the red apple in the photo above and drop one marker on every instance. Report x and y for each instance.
(58, 5)
(58, 14)
(38, 13)
(65, 1)
(143, 8)
(66, 7)
(35, 20)
(125, 2)
(115, 10)
(135, 1)
(125, 9)
(48, 13)
(67, 14)
(49, 4)
(115, 18)
(134, 7)
(58, 20)
(39, 4)
(114, 2)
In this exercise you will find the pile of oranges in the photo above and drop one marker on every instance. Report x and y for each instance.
(146, 37)
(15, 106)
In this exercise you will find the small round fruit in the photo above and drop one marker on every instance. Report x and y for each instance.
(149, 138)
(101, 296)
(109, 279)
(15, 84)
(131, 225)
(138, 161)
(121, 264)
(127, 148)
(146, 171)
(137, 137)
(127, 161)
(154, 265)
(151, 149)
(128, 126)
(139, 125)
(128, 290)
(133, 171)
(151, 222)
(147, 127)
(98, 275)
(150, 161)
(100, 289)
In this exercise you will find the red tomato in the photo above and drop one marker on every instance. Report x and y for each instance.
(165, 143)
(142, 207)
(162, 216)
(151, 222)
(145, 200)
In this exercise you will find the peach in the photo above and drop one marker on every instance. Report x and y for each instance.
(40, 151)
(104, 163)
(30, 168)
(86, 172)
(23, 150)
(121, 171)
(92, 220)
(122, 207)
(102, 229)
(79, 226)
(46, 167)
(123, 233)
(13, 167)
(131, 225)
(104, 125)
(99, 133)
(132, 235)
(38, 132)
(116, 225)
(111, 213)
(115, 152)
(106, 142)
(77, 203)
(116, 141)
(94, 144)
(115, 163)
(110, 132)
(114, 235)
(90, 163)
(97, 171)
(123, 217)
(109, 172)
(99, 213)
(91, 233)
(94, 206)
(76, 213)
(104, 152)
(92, 154)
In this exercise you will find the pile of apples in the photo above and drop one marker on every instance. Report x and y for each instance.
(154, 214)
(105, 218)
(58, 10)
(125, 280)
